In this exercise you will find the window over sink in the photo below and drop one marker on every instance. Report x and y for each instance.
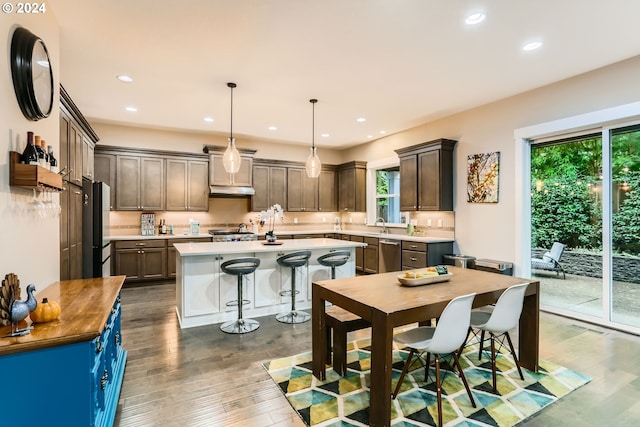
(383, 193)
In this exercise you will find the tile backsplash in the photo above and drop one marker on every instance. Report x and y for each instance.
(228, 213)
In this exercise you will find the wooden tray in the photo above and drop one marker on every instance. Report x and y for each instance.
(423, 280)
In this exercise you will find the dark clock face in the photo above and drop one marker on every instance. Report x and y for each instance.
(32, 74)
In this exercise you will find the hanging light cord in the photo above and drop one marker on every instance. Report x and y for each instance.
(313, 122)
(231, 85)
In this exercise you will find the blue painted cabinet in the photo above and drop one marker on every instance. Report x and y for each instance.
(72, 384)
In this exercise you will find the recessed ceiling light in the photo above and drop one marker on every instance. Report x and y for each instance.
(125, 78)
(324, 135)
(369, 136)
(361, 120)
(532, 45)
(131, 109)
(208, 119)
(273, 128)
(475, 18)
(382, 132)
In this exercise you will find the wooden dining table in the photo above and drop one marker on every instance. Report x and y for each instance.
(386, 304)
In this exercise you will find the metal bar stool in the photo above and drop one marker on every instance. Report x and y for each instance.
(293, 260)
(240, 267)
(338, 320)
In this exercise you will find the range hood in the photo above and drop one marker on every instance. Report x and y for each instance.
(221, 183)
(227, 190)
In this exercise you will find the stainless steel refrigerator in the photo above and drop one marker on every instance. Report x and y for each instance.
(96, 246)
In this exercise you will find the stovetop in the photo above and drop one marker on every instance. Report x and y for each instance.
(232, 236)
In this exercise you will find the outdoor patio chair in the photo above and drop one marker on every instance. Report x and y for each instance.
(550, 260)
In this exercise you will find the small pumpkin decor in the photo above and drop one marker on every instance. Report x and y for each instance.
(46, 311)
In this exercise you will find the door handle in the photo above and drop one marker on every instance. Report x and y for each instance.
(390, 242)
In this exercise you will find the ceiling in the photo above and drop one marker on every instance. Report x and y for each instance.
(397, 63)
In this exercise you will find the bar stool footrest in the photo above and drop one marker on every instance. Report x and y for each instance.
(234, 302)
(287, 293)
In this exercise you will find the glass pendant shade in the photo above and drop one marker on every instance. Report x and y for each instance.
(313, 165)
(231, 158)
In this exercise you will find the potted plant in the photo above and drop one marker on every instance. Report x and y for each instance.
(270, 216)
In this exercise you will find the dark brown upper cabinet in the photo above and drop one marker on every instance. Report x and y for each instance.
(426, 176)
(352, 187)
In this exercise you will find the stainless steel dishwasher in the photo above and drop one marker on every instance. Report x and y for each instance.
(389, 255)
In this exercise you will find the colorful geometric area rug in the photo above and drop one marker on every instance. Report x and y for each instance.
(344, 401)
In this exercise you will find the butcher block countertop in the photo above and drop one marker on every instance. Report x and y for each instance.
(85, 307)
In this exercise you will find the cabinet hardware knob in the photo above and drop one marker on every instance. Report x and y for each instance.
(413, 246)
(413, 259)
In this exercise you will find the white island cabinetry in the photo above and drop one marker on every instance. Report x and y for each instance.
(203, 290)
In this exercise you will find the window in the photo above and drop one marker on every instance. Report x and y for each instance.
(383, 192)
(388, 195)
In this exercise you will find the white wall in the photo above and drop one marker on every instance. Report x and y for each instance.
(487, 230)
(29, 248)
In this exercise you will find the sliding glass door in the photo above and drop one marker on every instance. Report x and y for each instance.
(625, 226)
(566, 205)
(585, 196)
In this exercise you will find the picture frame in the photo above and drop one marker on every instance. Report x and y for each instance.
(483, 173)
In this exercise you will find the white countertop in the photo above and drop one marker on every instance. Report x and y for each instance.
(160, 236)
(213, 248)
(389, 236)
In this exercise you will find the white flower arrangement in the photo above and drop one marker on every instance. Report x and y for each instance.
(271, 214)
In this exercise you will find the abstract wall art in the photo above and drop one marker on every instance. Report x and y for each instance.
(482, 177)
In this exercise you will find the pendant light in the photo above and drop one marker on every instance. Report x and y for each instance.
(313, 165)
(231, 159)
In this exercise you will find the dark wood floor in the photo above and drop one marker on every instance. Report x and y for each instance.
(204, 377)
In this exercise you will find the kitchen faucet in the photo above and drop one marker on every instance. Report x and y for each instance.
(384, 226)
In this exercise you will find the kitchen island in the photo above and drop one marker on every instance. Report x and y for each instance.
(204, 293)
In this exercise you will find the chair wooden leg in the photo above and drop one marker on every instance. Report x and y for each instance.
(481, 344)
(405, 368)
(438, 390)
(513, 353)
(464, 379)
(464, 344)
(493, 362)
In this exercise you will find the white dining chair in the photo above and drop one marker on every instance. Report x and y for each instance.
(444, 339)
(498, 322)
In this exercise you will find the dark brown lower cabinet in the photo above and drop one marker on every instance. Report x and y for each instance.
(359, 252)
(171, 253)
(420, 255)
(371, 255)
(141, 259)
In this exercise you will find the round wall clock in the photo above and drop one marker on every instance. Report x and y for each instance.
(32, 74)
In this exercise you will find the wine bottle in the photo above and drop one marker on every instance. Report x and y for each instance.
(43, 146)
(40, 151)
(30, 154)
(53, 163)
